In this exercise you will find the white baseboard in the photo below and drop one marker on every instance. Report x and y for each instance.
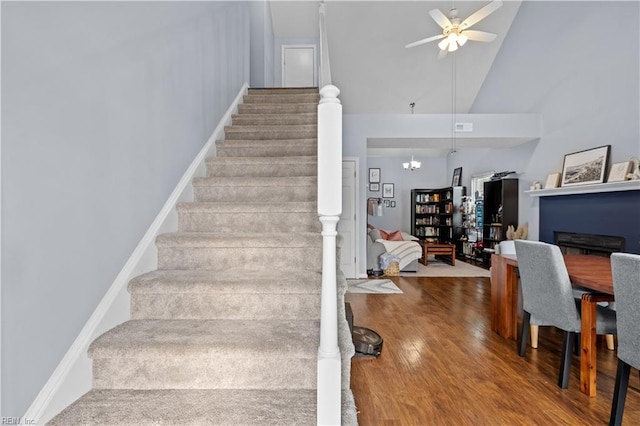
(73, 375)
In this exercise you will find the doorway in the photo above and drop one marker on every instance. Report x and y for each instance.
(347, 227)
(299, 66)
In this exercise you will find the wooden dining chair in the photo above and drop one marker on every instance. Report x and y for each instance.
(509, 247)
(548, 296)
(625, 269)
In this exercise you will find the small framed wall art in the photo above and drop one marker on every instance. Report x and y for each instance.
(374, 175)
(585, 167)
(387, 190)
(457, 177)
(374, 187)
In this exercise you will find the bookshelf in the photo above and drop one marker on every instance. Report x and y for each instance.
(500, 211)
(435, 214)
(470, 247)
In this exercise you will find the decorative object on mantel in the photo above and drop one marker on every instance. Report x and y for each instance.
(585, 167)
(518, 234)
(553, 180)
(535, 186)
(635, 173)
(619, 171)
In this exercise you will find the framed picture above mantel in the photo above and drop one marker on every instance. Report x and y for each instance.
(585, 167)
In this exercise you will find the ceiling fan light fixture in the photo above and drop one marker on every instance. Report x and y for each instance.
(454, 29)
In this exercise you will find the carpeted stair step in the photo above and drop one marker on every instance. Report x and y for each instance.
(267, 148)
(266, 189)
(274, 119)
(265, 91)
(280, 98)
(206, 354)
(231, 294)
(220, 252)
(262, 167)
(234, 218)
(298, 131)
(186, 407)
(278, 108)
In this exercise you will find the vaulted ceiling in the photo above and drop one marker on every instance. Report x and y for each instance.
(373, 69)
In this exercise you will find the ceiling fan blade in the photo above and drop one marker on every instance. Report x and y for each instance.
(480, 14)
(442, 54)
(440, 18)
(424, 40)
(479, 35)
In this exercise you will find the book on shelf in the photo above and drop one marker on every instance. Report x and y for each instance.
(427, 198)
(495, 233)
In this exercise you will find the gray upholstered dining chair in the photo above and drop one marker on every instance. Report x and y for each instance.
(509, 247)
(548, 296)
(625, 269)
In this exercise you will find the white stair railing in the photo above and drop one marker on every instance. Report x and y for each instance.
(329, 210)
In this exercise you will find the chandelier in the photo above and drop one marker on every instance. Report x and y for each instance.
(411, 165)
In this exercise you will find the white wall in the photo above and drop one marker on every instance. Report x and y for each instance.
(430, 175)
(262, 45)
(556, 62)
(104, 105)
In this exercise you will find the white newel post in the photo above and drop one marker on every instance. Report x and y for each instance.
(329, 210)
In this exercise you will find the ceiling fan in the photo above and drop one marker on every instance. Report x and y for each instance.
(456, 32)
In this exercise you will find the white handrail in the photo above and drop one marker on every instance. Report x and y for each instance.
(329, 393)
(325, 67)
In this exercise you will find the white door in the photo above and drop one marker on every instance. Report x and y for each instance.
(299, 66)
(347, 225)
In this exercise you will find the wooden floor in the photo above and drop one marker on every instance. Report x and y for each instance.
(442, 365)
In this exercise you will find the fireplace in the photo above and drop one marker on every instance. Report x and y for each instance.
(577, 243)
(597, 216)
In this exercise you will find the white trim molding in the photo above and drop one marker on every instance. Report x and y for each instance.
(73, 375)
(629, 185)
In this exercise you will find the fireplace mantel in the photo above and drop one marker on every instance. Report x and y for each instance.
(611, 209)
(629, 185)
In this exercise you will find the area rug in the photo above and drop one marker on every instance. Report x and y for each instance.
(439, 268)
(372, 287)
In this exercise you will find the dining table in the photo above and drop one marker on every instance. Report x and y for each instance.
(589, 272)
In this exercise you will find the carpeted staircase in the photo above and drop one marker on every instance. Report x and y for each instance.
(226, 330)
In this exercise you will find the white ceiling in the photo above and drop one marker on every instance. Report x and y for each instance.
(378, 75)
(370, 64)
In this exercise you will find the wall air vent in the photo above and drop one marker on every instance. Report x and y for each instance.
(464, 127)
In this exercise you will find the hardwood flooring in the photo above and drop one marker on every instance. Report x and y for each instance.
(442, 365)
